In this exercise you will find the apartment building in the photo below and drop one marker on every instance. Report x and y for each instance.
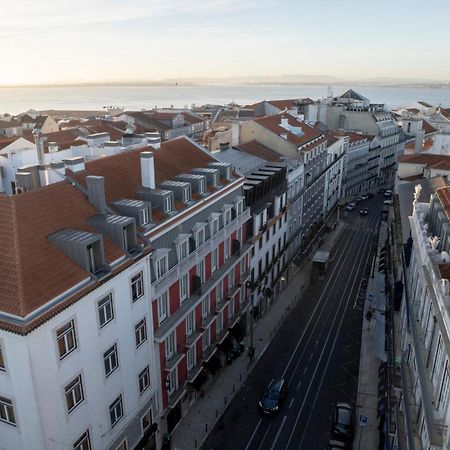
(425, 326)
(107, 330)
(335, 173)
(299, 144)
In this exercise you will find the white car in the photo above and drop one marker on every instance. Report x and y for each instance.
(388, 202)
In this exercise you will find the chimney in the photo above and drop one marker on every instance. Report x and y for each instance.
(39, 146)
(419, 141)
(147, 170)
(96, 192)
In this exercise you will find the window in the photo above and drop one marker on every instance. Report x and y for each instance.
(227, 216)
(201, 270)
(144, 379)
(116, 411)
(169, 343)
(7, 411)
(227, 245)
(239, 234)
(219, 322)
(161, 266)
(200, 237)
(231, 309)
(146, 421)
(168, 204)
(186, 195)
(74, 393)
(214, 260)
(190, 321)
(183, 249)
(206, 338)
(83, 443)
(105, 310)
(205, 307)
(140, 332)
(214, 226)
(66, 337)
(137, 286)
(172, 381)
(2, 360)
(230, 279)
(191, 358)
(110, 360)
(145, 216)
(239, 207)
(183, 287)
(163, 307)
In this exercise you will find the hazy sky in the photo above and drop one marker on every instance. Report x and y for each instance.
(91, 40)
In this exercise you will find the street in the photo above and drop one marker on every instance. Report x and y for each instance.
(316, 351)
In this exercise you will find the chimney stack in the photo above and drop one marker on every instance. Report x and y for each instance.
(147, 170)
(39, 146)
(96, 192)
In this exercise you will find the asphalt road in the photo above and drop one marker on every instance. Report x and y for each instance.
(317, 351)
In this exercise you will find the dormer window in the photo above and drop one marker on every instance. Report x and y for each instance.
(145, 216)
(186, 195)
(239, 207)
(168, 204)
(226, 214)
(200, 237)
(202, 186)
(162, 266)
(183, 249)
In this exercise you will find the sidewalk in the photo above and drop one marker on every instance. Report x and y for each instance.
(372, 355)
(205, 413)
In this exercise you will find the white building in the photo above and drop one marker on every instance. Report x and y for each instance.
(425, 326)
(335, 173)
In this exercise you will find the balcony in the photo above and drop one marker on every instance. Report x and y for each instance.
(191, 302)
(176, 396)
(193, 338)
(174, 360)
(171, 276)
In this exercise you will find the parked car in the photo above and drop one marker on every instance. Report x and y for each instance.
(388, 193)
(364, 212)
(357, 199)
(350, 207)
(370, 194)
(364, 196)
(273, 396)
(337, 445)
(381, 191)
(343, 420)
(388, 202)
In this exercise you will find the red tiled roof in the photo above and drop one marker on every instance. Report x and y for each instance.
(353, 137)
(272, 123)
(427, 127)
(443, 195)
(427, 144)
(255, 148)
(64, 138)
(427, 159)
(32, 270)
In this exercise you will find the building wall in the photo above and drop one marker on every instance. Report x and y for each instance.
(36, 377)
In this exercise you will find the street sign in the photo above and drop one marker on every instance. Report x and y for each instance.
(370, 298)
(362, 421)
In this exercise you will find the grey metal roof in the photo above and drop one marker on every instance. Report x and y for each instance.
(241, 161)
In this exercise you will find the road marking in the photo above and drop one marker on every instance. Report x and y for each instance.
(290, 403)
(305, 370)
(260, 446)
(361, 248)
(278, 433)
(298, 385)
(310, 356)
(315, 345)
(253, 435)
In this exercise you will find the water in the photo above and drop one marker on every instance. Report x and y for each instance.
(15, 100)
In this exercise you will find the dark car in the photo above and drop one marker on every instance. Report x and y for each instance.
(273, 396)
(364, 212)
(343, 420)
(350, 207)
(370, 195)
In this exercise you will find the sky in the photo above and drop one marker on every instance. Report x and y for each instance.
(62, 41)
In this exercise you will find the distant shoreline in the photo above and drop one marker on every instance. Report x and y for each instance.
(215, 83)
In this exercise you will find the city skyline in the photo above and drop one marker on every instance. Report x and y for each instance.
(153, 41)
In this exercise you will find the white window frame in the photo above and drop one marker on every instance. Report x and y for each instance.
(205, 307)
(214, 226)
(206, 338)
(137, 286)
(239, 234)
(7, 414)
(149, 415)
(123, 445)
(184, 287)
(145, 216)
(163, 307)
(74, 391)
(170, 344)
(227, 247)
(201, 270)
(83, 442)
(219, 322)
(160, 270)
(116, 407)
(230, 279)
(190, 358)
(168, 203)
(239, 207)
(190, 323)
(144, 379)
(110, 360)
(68, 337)
(200, 237)
(214, 260)
(140, 332)
(105, 309)
(172, 381)
(183, 249)
(230, 308)
(2, 358)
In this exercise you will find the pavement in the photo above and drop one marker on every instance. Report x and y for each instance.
(207, 410)
(372, 355)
